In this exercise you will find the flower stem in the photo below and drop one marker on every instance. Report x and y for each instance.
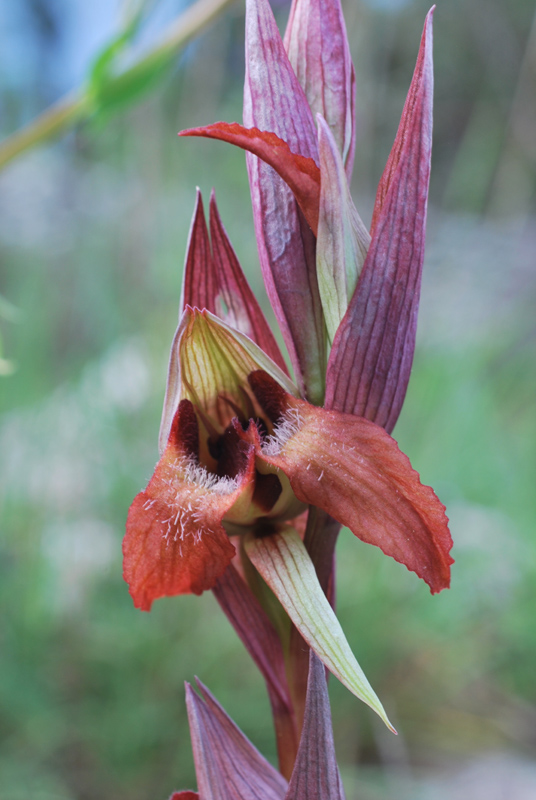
(80, 103)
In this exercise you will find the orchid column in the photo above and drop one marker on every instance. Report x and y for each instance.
(258, 469)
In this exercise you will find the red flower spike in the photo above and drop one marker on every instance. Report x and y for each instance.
(213, 279)
(318, 49)
(316, 775)
(372, 354)
(274, 101)
(299, 173)
(227, 765)
(175, 542)
(353, 470)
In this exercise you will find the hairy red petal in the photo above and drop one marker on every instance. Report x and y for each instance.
(372, 353)
(227, 765)
(355, 471)
(301, 174)
(175, 542)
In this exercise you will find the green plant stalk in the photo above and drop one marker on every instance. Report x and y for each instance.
(80, 103)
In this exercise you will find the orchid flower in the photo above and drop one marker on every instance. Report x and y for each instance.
(243, 455)
(227, 764)
(244, 449)
(368, 283)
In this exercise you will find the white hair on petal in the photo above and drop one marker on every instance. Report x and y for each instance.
(289, 424)
(194, 473)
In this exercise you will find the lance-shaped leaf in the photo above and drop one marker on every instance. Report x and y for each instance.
(209, 364)
(372, 354)
(274, 101)
(227, 765)
(286, 566)
(316, 775)
(353, 470)
(260, 639)
(318, 49)
(213, 279)
(342, 240)
(299, 173)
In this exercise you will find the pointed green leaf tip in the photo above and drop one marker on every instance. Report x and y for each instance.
(286, 566)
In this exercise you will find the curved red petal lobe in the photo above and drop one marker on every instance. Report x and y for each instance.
(353, 470)
(370, 361)
(175, 542)
(301, 174)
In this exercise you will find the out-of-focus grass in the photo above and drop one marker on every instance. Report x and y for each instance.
(92, 238)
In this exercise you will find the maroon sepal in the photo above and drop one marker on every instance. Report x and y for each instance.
(213, 279)
(316, 775)
(274, 101)
(227, 765)
(317, 45)
(372, 354)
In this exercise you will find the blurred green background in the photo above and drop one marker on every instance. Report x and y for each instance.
(93, 231)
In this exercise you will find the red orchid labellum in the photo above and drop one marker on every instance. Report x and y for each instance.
(245, 453)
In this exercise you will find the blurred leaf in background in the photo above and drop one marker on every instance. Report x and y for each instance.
(93, 231)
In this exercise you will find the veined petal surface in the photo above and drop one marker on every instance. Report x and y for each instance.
(316, 774)
(370, 361)
(243, 311)
(209, 364)
(214, 280)
(285, 565)
(353, 470)
(274, 101)
(227, 765)
(342, 240)
(317, 45)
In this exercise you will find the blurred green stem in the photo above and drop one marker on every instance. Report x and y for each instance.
(79, 104)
